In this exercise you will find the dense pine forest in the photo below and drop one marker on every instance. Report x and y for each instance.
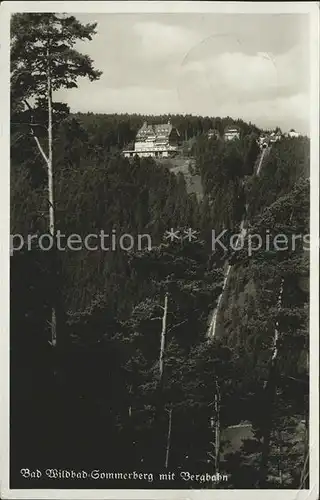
(133, 382)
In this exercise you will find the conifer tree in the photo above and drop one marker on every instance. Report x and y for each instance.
(43, 60)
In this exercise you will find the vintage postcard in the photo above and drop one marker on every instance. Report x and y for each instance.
(160, 176)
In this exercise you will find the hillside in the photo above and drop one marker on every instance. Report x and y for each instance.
(132, 322)
(185, 166)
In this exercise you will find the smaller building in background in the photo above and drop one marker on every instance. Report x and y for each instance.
(213, 132)
(293, 133)
(263, 141)
(231, 132)
(275, 136)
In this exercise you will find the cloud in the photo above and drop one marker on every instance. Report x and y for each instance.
(293, 69)
(159, 41)
(260, 86)
(129, 99)
(231, 75)
(284, 111)
(251, 67)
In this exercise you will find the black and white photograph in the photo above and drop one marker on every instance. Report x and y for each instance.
(163, 265)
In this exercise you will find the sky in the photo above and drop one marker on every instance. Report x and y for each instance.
(249, 66)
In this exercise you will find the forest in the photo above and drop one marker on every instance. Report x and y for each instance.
(130, 380)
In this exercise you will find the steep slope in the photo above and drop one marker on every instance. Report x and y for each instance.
(242, 234)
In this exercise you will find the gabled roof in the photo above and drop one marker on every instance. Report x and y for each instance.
(145, 130)
(164, 129)
(231, 128)
(161, 130)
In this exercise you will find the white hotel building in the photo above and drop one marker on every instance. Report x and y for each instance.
(156, 141)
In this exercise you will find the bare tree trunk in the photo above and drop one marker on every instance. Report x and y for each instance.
(168, 438)
(51, 198)
(159, 410)
(305, 468)
(266, 431)
(217, 434)
(270, 393)
(280, 458)
(163, 338)
(49, 163)
(50, 169)
(215, 426)
(130, 406)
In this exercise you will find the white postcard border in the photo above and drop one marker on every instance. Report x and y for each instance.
(311, 8)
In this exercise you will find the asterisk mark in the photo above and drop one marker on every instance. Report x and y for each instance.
(190, 234)
(172, 235)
